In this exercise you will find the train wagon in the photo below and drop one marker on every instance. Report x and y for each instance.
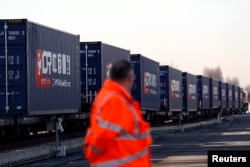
(189, 91)
(203, 94)
(42, 69)
(146, 86)
(240, 99)
(245, 101)
(214, 94)
(223, 96)
(229, 97)
(171, 90)
(235, 98)
(97, 57)
(39, 72)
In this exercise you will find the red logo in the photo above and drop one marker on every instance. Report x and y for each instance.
(42, 82)
(190, 97)
(173, 95)
(146, 89)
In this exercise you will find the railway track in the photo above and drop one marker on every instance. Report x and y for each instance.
(36, 141)
(48, 138)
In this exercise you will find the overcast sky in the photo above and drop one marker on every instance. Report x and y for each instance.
(188, 34)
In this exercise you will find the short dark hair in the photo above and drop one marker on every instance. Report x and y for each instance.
(120, 69)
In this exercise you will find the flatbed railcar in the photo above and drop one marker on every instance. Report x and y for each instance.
(189, 94)
(146, 88)
(39, 76)
(171, 91)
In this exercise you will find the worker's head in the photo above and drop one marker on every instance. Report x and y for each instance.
(122, 72)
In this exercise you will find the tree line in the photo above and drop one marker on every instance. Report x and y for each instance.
(217, 74)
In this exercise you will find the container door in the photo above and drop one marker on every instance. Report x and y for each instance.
(164, 88)
(136, 91)
(192, 93)
(94, 73)
(13, 95)
(223, 96)
(205, 93)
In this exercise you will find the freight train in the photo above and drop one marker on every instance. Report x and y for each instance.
(47, 73)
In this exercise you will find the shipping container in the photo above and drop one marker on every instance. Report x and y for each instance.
(146, 86)
(229, 96)
(171, 88)
(203, 92)
(236, 97)
(223, 95)
(100, 57)
(241, 103)
(42, 69)
(189, 92)
(214, 93)
(245, 100)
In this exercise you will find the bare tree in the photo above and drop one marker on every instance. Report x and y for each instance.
(233, 81)
(247, 88)
(236, 81)
(207, 72)
(228, 80)
(214, 73)
(218, 73)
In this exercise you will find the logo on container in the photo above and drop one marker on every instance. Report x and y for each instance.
(50, 64)
(230, 95)
(149, 83)
(215, 92)
(192, 92)
(236, 96)
(175, 88)
(223, 94)
(205, 91)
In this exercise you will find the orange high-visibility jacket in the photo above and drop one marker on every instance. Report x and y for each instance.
(118, 136)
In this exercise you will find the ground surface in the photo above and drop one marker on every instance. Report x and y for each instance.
(187, 149)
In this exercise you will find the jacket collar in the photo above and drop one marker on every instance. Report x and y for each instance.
(112, 85)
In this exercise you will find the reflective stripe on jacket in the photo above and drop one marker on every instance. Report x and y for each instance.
(118, 136)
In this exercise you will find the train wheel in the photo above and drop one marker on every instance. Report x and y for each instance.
(1, 133)
(24, 130)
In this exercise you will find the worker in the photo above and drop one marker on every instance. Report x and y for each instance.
(118, 136)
